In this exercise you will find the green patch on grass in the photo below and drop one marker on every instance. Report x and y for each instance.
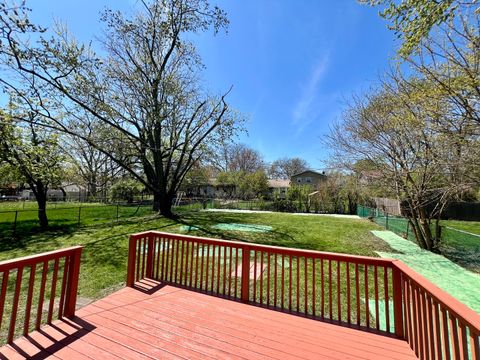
(243, 227)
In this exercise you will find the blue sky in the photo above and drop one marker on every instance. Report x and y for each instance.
(292, 64)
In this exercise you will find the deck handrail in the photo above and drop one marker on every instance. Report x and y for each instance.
(430, 320)
(51, 263)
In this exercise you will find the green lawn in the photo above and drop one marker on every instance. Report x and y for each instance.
(62, 216)
(469, 226)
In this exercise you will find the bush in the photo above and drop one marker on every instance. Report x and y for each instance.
(126, 190)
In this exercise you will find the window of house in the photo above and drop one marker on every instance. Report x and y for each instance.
(299, 180)
(308, 179)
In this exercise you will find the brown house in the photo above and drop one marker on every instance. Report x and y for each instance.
(308, 177)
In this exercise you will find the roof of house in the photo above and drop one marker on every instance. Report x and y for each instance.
(309, 171)
(278, 183)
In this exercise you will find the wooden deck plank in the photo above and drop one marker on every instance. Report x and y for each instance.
(228, 331)
(173, 323)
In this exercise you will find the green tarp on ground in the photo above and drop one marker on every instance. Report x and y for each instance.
(243, 227)
(462, 284)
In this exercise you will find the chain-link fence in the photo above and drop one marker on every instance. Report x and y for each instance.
(449, 237)
(18, 222)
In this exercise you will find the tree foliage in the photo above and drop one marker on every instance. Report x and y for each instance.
(413, 20)
(34, 154)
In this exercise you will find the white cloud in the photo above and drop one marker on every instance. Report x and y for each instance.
(304, 111)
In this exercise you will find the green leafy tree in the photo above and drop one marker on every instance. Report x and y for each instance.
(35, 156)
(413, 20)
(126, 190)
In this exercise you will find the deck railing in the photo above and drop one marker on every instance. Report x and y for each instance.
(37, 289)
(369, 293)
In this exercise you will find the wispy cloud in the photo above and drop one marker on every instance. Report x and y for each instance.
(304, 112)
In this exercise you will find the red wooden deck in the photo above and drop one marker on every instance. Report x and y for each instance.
(170, 322)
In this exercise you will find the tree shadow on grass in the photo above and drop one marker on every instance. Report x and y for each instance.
(203, 223)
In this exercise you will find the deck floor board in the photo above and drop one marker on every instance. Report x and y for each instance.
(166, 322)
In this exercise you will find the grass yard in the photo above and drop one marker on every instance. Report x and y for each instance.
(469, 226)
(63, 216)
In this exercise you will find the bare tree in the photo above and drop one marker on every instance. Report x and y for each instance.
(405, 132)
(287, 167)
(145, 88)
(245, 159)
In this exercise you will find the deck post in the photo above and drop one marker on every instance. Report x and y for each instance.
(72, 283)
(245, 273)
(397, 302)
(131, 261)
(150, 254)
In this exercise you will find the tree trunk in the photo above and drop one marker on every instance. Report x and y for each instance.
(42, 209)
(163, 204)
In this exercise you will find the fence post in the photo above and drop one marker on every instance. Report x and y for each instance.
(150, 253)
(72, 283)
(117, 212)
(79, 214)
(132, 244)
(386, 221)
(408, 224)
(245, 273)
(15, 223)
(397, 301)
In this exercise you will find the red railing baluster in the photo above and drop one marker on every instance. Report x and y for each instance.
(349, 310)
(41, 296)
(182, 254)
(283, 282)
(255, 276)
(268, 278)
(213, 268)
(197, 251)
(357, 292)
(72, 283)
(201, 267)
(3, 294)
(387, 303)
(314, 299)
(367, 305)
(53, 291)
(230, 273)
(261, 279)
(339, 300)
(275, 281)
(218, 269)
(330, 297)
(305, 269)
(63, 288)
(224, 269)
(375, 289)
(298, 284)
(207, 267)
(28, 308)
(245, 273)
(236, 273)
(290, 284)
(16, 298)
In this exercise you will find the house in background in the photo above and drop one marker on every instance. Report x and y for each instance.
(278, 187)
(308, 177)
